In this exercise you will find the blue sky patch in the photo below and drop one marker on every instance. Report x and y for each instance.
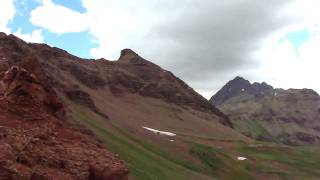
(298, 37)
(75, 5)
(22, 16)
(78, 44)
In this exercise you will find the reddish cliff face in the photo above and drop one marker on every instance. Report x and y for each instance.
(37, 143)
(25, 92)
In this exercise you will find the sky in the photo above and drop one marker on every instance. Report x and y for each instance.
(205, 43)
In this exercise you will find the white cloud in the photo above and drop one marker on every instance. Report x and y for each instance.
(120, 24)
(286, 66)
(59, 19)
(205, 94)
(7, 12)
(34, 37)
(114, 24)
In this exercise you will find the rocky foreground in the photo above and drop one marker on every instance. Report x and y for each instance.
(35, 140)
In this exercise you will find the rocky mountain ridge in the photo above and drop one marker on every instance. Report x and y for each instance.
(262, 112)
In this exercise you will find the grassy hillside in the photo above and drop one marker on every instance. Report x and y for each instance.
(145, 161)
(207, 157)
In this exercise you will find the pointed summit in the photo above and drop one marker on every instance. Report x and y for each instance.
(127, 55)
(238, 86)
(239, 83)
(239, 78)
(127, 52)
(131, 57)
(231, 89)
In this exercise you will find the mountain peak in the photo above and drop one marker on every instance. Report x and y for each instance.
(239, 78)
(239, 82)
(238, 86)
(127, 52)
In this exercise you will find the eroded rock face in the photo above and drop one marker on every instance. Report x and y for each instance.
(36, 144)
(80, 97)
(22, 89)
(91, 80)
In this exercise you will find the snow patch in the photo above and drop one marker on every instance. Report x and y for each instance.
(242, 90)
(159, 132)
(241, 158)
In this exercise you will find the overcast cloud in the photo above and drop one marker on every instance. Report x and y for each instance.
(205, 43)
(214, 40)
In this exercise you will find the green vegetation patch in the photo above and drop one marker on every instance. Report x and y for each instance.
(216, 162)
(167, 155)
(303, 161)
(209, 156)
(254, 129)
(145, 162)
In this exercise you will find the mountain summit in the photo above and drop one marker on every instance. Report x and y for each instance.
(239, 86)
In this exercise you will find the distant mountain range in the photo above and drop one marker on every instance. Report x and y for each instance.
(262, 112)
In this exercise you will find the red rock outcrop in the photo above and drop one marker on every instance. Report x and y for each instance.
(36, 143)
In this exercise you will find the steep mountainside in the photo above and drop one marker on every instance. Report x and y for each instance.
(127, 95)
(260, 111)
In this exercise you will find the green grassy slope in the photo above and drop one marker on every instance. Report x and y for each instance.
(149, 161)
(300, 162)
(144, 161)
